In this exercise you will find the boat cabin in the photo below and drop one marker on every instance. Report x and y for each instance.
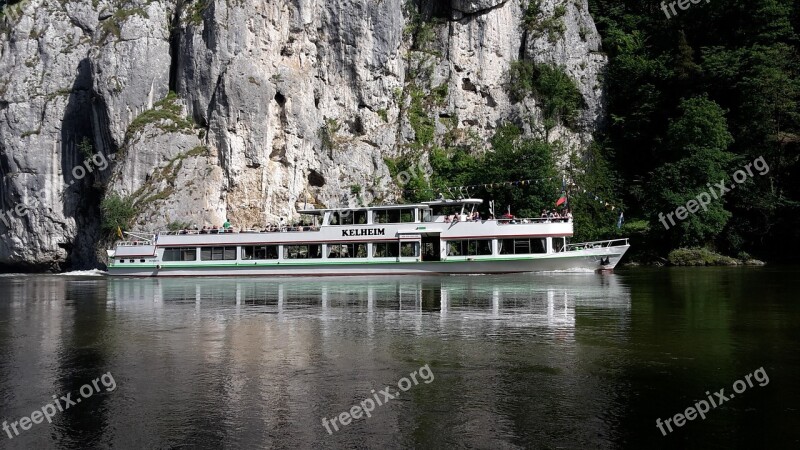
(425, 212)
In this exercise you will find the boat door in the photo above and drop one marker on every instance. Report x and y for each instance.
(431, 248)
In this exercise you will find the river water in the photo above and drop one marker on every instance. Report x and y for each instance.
(513, 361)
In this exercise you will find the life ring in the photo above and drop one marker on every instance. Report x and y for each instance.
(158, 267)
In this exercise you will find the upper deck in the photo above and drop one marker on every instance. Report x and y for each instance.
(447, 219)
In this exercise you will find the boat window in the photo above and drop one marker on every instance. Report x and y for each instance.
(385, 250)
(559, 243)
(404, 215)
(302, 251)
(351, 250)
(445, 210)
(470, 247)
(348, 217)
(522, 246)
(409, 249)
(251, 252)
(180, 254)
(426, 215)
(218, 253)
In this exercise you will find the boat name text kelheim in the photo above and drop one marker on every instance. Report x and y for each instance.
(368, 232)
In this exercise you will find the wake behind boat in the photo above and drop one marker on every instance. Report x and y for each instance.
(437, 237)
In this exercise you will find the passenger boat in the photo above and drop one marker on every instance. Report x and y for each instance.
(436, 237)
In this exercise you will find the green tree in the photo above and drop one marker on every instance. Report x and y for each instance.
(513, 158)
(740, 54)
(698, 140)
(117, 213)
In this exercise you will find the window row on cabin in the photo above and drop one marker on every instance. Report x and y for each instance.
(478, 247)
(466, 247)
(300, 251)
(359, 217)
(470, 247)
(521, 246)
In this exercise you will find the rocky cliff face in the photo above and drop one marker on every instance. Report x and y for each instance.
(211, 108)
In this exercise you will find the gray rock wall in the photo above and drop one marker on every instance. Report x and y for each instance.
(276, 104)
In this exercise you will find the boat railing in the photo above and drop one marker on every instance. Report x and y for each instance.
(134, 243)
(503, 220)
(595, 244)
(529, 220)
(284, 229)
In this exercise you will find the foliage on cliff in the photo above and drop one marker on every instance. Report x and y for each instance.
(696, 97)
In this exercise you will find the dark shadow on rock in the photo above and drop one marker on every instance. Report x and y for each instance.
(82, 171)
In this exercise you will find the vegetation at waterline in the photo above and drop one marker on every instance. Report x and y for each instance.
(700, 257)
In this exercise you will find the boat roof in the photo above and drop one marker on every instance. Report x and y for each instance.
(423, 205)
(449, 202)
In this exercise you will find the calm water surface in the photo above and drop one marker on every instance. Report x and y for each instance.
(518, 361)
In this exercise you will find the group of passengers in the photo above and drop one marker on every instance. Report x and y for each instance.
(556, 216)
(455, 218)
(547, 216)
(228, 228)
(225, 228)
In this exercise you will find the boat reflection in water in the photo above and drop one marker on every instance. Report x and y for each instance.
(519, 360)
(517, 300)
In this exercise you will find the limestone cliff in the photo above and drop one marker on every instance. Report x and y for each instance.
(237, 108)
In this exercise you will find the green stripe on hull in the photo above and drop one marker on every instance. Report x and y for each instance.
(564, 261)
(318, 263)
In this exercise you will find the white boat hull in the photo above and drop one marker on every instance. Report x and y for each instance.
(577, 260)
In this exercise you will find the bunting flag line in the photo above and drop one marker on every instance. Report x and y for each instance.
(594, 197)
(563, 193)
(486, 186)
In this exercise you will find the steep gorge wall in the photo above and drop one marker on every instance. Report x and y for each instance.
(275, 104)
